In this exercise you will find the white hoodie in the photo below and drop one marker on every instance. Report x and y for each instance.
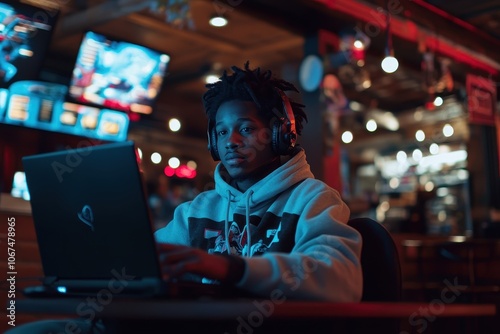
(289, 227)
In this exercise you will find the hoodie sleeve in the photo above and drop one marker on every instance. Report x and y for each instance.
(324, 263)
(176, 232)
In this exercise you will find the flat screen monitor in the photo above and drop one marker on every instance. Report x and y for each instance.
(25, 34)
(114, 74)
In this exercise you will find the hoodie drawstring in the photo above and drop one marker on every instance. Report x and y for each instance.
(226, 224)
(247, 222)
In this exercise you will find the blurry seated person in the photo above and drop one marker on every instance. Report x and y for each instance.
(268, 224)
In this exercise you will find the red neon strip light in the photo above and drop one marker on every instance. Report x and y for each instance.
(408, 30)
(452, 18)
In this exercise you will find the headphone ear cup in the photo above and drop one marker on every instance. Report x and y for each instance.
(276, 137)
(284, 133)
(213, 146)
(212, 143)
(280, 140)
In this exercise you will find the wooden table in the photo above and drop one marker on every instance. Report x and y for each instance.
(259, 316)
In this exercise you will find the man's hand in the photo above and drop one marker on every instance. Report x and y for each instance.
(176, 260)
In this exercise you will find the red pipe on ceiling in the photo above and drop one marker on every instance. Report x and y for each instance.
(408, 30)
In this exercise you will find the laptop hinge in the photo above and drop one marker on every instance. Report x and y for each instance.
(49, 280)
(141, 286)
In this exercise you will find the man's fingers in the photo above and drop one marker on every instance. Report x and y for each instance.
(184, 265)
(173, 256)
(177, 260)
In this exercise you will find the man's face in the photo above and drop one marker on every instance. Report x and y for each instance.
(243, 140)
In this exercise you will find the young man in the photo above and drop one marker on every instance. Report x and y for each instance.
(268, 227)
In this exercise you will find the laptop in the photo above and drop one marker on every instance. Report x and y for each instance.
(93, 226)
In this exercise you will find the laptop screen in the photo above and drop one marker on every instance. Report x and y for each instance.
(90, 213)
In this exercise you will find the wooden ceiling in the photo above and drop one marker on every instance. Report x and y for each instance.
(272, 34)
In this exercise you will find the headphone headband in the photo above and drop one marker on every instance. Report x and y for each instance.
(288, 111)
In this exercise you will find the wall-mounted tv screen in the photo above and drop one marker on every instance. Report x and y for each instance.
(25, 34)
(115, 74)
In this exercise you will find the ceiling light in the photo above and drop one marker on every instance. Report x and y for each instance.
(367, 83)
(420, 135)
(418, 115)
(218, 21)
(438, 101)
(448, 130)
(358, 44)
(371, 125)
(156, 158)
(174, 162)
(174, 124)
(434, 148)
(192, 164)
(394, 183)
(429, 186)
(389, 63)
(211, 78)
(401, 157)
(417, 155)
(347, 137)
(355, 106)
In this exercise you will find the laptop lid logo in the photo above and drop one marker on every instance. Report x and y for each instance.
(86, 216)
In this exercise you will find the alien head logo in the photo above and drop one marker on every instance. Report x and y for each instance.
(86, 216)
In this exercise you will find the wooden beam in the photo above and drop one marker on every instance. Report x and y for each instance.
(209, 41)
(195, 37)
(99, 14)
(284, 44)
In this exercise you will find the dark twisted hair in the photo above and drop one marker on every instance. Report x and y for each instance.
(255, 86)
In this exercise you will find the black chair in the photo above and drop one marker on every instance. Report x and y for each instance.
(381, 274)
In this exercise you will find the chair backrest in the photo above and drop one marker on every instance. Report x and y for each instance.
(381, 274)
(379, 260)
